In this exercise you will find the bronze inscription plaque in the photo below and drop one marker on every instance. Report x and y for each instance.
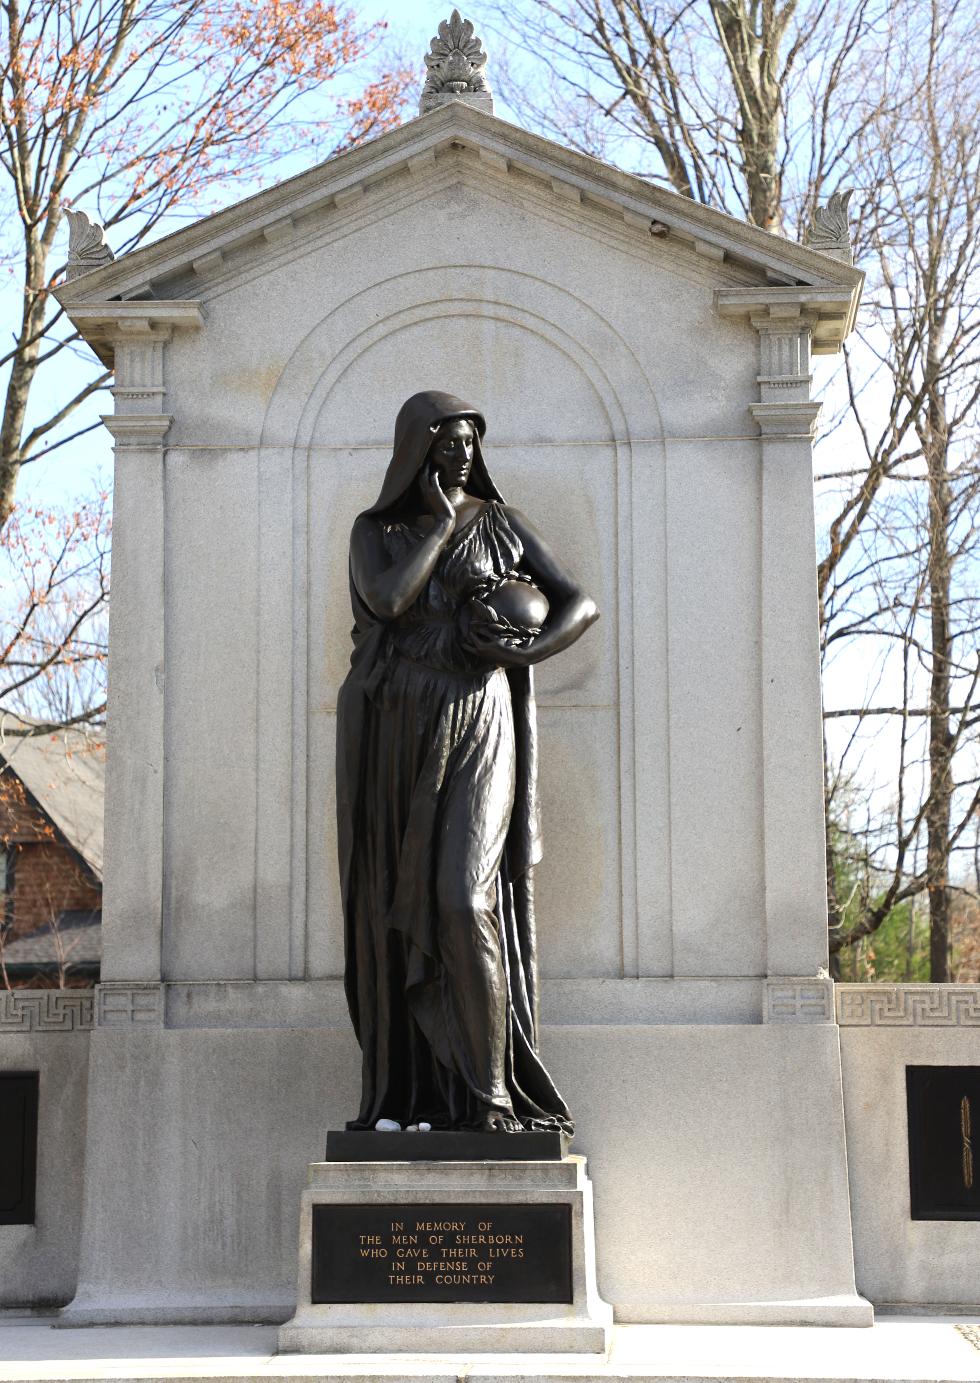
(453, 1252)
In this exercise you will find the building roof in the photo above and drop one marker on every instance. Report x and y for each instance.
(64, 772)
(75, 941)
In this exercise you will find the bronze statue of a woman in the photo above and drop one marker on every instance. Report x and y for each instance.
(455, 596)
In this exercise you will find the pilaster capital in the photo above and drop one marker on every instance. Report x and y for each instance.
(138, 431)
(792, 322)
(790, 420)
(130, 337)
(827, 313)
(107, 326)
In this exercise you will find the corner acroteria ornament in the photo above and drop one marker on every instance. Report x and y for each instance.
(830, 230)
(456, 66)
(87, 248)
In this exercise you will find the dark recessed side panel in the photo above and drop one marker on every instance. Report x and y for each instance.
(18, 1147)
(944, 1141)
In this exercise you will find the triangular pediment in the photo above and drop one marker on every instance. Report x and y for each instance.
(178, 266)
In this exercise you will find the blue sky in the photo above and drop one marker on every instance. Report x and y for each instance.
(416, 19)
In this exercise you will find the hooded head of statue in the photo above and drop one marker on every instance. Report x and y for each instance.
(416, 428)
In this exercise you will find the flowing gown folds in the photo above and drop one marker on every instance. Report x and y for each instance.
(438, 833)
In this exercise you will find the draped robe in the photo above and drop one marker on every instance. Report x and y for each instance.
(438, 827)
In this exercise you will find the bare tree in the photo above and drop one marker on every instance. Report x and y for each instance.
(132, 108)
(54, 574)
(746, 105)
(911, 578)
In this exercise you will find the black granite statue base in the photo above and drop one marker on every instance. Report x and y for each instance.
(456, 1145)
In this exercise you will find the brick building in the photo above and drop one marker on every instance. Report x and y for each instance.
(51, 796)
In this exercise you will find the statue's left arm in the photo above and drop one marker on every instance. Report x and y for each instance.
(571, 609)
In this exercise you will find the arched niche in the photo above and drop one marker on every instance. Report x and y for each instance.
(573, 439)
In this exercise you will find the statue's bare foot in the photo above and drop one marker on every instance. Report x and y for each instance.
(496, 1122)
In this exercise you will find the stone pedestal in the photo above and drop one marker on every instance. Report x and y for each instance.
(439, 1247)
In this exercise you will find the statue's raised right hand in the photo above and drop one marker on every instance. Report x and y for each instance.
(435, 496)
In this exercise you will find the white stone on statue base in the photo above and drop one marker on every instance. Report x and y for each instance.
(581, 1326)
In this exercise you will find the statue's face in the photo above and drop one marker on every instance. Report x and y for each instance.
(452, 453)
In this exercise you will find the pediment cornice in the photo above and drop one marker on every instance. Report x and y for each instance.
(160, 270)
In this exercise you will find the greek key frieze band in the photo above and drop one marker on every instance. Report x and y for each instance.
(908, 1005)
(46, 1010)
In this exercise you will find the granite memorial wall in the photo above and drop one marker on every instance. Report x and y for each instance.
(645, 368)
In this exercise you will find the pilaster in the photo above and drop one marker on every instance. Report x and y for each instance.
(793, 805)
(133, 338)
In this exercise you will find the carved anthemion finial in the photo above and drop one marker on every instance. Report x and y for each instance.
(456, 65)
(830, 232)
(86, 244)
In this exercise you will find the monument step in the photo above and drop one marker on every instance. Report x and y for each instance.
(897, 1349)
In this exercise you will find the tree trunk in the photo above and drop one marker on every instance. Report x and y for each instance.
(23, 368)
(751, 40)
(834, 919)
(940, 738)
